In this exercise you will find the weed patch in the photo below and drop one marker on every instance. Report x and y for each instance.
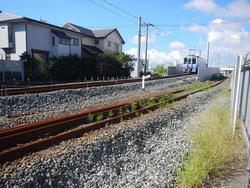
(212, 146)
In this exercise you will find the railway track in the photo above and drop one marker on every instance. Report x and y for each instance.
(49, 88)
(18, 141)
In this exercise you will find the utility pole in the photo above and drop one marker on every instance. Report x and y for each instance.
(217, 62)
(208, 46)
(146, 49)
(139, 47)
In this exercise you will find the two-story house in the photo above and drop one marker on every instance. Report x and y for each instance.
(40, 39)
(96, 41)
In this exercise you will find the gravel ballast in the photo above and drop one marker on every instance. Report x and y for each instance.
(143, 152)
(44, 105)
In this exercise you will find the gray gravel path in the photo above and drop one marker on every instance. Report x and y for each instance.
(57, 103)
(143, 152)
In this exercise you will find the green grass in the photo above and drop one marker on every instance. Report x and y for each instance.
(99, 117)
(212, 147)
(198, 85)
(110, 114)
(90, 117)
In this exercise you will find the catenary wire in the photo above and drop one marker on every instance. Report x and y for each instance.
(97, 4)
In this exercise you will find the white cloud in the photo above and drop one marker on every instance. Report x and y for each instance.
(151, 39)
(131, 51)
(217, 21)
(195, 28)
(237, 8)
(225, 39)
(159, 57)
(177, 45)
(202, 5)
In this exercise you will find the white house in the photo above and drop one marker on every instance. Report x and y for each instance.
(95, 41)
(40, 39)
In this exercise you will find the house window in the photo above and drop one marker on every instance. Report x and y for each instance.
(53, 41)
(10, 34)
(97, 42)
(75, 41)
(109, 43)
(40, 54)
(116, 47)
(64, 41)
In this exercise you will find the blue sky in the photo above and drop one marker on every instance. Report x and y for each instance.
(166, 45)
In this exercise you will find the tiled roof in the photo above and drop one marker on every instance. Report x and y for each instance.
(91, 49)
(83, 30)
(102, 32)
(60, 34)
(8, 16)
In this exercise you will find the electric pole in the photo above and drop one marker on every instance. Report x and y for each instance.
(146, 49)
(139, 47)
(208, 46)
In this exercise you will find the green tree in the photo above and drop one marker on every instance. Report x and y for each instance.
(113, 65)
(159, 70)
(35, 69)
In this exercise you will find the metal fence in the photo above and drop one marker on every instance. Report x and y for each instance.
(240, 104)
(11, 70)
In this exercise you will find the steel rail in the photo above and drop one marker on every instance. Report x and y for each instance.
(49, 88)
(20, 134)
(17, 152)
(26, 127)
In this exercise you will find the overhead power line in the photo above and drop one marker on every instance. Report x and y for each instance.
(126, 12)
(169, 35)
(97, 4)
(224, 22)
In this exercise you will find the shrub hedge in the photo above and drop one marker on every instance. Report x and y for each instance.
(73, 68)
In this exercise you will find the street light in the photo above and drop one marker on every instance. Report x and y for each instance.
(146, 49)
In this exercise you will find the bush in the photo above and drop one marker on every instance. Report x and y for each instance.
(35, 69)
(66, 68)
(73, 68)
(114, 65)
(159, 70)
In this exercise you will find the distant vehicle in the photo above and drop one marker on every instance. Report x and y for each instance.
(192, 63)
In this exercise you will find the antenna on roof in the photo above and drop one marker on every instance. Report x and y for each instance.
(41, 20)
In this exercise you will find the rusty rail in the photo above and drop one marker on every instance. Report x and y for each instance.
(7, 137)
(49, 88)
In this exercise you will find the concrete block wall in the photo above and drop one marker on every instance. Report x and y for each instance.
(173, 70)
(206, 73)
(10, 68)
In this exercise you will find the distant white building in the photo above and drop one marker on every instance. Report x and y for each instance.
(40, 39)
(226, 70)
(139, 70)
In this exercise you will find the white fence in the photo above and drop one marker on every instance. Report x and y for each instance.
(240, 103)
(11, 70)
